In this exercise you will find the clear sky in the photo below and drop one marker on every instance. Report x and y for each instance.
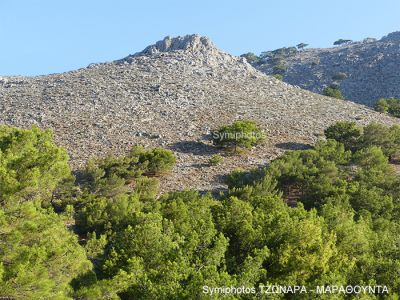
(50, 36)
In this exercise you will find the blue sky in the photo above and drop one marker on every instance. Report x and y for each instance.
(51, 36)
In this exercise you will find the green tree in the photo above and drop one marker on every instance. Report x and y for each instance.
(301, 46)
(379, 135)
(340, 42)
(391, 106)
(31, 165)
(345, 132)
(382, 105)
(172, 251)
(242, 133)
(39, 257)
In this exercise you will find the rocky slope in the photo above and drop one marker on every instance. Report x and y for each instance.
(172, 94)
(372, 69)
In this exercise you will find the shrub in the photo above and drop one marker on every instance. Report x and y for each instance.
(348, 133)
(156, 161)
(391, 106)
(333, 91)
(355, 137)
(242, 133)
(216, 160)
(382, 105)
(279, 69)
(381, 136)
(278, 76)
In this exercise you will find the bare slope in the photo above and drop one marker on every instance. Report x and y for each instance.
(372, 69)
(171, 95)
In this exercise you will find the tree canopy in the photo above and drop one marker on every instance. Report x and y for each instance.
(326, 215)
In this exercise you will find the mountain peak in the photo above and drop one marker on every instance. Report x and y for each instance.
(189, 43)
(190, 48)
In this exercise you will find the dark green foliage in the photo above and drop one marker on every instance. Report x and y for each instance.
(280, 52)
(347, 133)
(241, 134)
(155, 161)
(39, 257)
(341, 226)
(333, 91)
(239, 178)
(382, 105)
(277, 59)
(355, 137)
(390, 106)
(380, 135)
(138, 162)
(279, 69)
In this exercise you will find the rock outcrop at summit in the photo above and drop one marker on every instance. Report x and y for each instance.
(371, 68)
(171, 95)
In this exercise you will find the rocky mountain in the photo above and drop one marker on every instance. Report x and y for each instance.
(365, 71)
(171, 95)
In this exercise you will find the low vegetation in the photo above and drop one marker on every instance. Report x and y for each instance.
(390, 106)
(333, 91)
(216, 159)
(241, 134)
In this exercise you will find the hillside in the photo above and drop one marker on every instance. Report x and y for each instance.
(171, 95)
(371, 69)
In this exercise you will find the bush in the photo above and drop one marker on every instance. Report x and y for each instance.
(242, 133)
(279, 69)
(156, 161)
(278, 76)
(333, 91)
(381, 136)
(391, 106)
(382, 105)
(347, 133)
(216, 160)
(355, 137)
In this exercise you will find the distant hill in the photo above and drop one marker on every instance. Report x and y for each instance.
(171, 95)
(366, 71)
